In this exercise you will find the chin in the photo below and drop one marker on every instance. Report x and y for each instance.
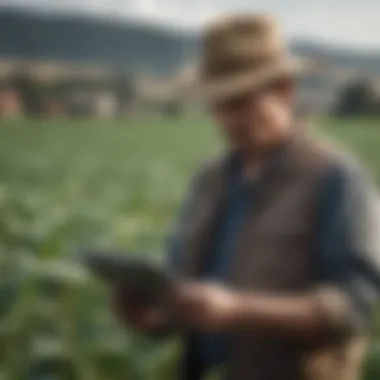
(259, 143)
(248, 145)
(264, 141)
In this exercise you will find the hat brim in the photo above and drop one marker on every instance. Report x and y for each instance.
(229, 86)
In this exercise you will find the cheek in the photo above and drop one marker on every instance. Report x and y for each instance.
(270, 122)
(266, 132)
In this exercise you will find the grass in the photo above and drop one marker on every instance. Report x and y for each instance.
(128, 178)
(361, 136)
(69, 184)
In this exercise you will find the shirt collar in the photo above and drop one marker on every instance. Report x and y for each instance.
(235, 163)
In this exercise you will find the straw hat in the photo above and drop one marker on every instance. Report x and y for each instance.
(240, 53)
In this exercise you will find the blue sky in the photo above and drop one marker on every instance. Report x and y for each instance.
(348, 22)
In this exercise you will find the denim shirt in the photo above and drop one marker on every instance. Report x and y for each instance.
(212, 349)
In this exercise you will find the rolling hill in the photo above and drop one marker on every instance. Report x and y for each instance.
(128, 46)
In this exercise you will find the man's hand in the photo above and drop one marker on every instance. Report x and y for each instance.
(213, 308)
(147, 319)
(202, 306)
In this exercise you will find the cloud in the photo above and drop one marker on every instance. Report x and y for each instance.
(347, 22)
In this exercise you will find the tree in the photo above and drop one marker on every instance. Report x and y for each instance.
(357, 99)
(31, 92)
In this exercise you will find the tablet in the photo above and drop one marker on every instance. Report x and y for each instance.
(141, 279)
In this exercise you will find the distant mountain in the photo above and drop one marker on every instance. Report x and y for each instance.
(128, 46)
(366, 62)
(123, 46)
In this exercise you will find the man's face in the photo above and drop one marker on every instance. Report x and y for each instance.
(257, 119)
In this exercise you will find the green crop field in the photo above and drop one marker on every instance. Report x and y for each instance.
(65, 185)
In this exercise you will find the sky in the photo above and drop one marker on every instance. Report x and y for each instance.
(351, 23)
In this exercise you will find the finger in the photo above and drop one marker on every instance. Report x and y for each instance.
(124, 307)
(186, 303)
(184, 293)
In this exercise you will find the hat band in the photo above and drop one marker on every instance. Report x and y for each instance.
(250, 79)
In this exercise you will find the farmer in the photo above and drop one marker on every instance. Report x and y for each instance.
(267, 239)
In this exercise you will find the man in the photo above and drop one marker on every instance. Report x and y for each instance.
(268, 239)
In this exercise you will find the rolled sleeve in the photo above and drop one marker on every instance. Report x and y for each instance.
(346, 234)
